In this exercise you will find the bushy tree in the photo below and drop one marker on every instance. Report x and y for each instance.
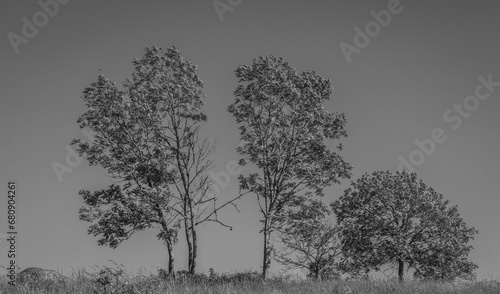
(175, 80)
(147, 138)
(396, 219)
(283, 127)
(310, 240)
(128, 145)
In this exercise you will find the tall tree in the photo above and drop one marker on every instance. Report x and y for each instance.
(177, 84)
(396, 219)
(127, 145)
(283, 127)
(310, 240)
(147, 137)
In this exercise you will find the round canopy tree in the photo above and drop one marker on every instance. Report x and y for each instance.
(396, 219)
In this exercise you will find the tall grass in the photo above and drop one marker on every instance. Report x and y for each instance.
(108, 280)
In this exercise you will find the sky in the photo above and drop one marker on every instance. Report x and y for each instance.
(405, 74)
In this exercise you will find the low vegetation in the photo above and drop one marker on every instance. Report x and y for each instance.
(117, 281)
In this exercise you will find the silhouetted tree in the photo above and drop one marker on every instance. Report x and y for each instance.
(396, 219)
(310, 240)
(147, 137)
(283, 127)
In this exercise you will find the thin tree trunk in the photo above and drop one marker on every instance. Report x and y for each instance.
(190, 238)
(194, 245)
(401, 267)
(171, 258)
(318, 271)
(187, 230)
(195, 250)
(167, 238)
(314, 273)
(266, 262)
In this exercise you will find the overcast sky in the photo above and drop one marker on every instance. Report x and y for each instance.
(423, 70)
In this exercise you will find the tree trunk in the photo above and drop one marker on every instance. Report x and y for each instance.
(317, 274)
(187, 230)
(169, 241)
(167, 238)
(401, 268)
(191, 239)
(266, 262)
(195, 250)
(189, 227)
(171, 258)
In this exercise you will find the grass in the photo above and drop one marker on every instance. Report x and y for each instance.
(117, 281)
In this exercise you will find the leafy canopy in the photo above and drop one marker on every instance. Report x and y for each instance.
(283, 126)
(310, 240)
(387, 218)
(133, 131)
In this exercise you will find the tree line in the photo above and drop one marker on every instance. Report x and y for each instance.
(148, 139)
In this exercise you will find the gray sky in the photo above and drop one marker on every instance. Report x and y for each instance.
(406, 83)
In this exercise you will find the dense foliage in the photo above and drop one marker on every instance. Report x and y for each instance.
(310, 240)
(147, 138)
(283, 126)
(396, 219)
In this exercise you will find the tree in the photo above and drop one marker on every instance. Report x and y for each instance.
(147, 137)
(396, 219)
(283, 127)
(126, 144)
(176, 81)
(311, 241)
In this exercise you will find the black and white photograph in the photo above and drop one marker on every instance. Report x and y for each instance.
(250, 146)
